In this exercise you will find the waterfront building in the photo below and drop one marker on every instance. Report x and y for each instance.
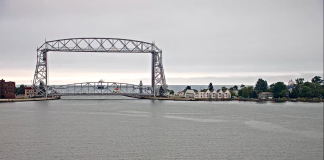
(207, 94)
(220, 94)
(265, 95)
(28, 91)
(196, 93)
(181, 94)
(7, 89)
(227, 94)
(200, 94)
(291, 85)
(223, 95)
(192, 93)
(214, 94)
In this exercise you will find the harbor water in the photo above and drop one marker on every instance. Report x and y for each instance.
(117, 127)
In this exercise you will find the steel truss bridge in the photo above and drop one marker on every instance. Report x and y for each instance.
(109, 45)
(99, 88)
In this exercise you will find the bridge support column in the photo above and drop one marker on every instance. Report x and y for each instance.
(40, 77)
(153, 73)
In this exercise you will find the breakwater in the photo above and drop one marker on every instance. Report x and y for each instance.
(27, 99)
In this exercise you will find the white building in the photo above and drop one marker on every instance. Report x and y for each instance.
(181, 94)
(220, 94)
(192, 93)
(208, 94)
(227, 94)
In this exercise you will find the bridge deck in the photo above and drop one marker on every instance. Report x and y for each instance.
(98, 94)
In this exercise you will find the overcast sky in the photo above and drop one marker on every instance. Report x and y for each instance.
(219, 41)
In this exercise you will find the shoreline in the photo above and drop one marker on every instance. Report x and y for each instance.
(244, 99)
(27, 99)
(182, 99)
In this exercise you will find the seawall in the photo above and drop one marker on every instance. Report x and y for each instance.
(28, 99)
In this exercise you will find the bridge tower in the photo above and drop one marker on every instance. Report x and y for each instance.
(158, 78)
(141, 87)
(40, 77)
(110, 45)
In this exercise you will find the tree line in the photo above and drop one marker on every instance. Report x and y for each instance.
(313, 89)
(21, 88)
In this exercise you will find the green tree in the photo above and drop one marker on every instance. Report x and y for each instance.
(294, 93)
(161, 91)
(269, 90)
(203, 90)
(246, 92)
(250, 91)
(311, 90)
(188, 87)
(242, 85)
(224, 88)
(308, 84)
(279, 90)
(240, 93)
(321, 91)
(261, 85)
(306, 91)
(16, 90)
(317, 80)
(272, 85)
(254, 94)
(171, 92)
(235, 87)
(299, 81)
(210, 87)
(233, 93)
(20, 89)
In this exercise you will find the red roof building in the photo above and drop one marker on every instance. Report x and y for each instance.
(28, 91)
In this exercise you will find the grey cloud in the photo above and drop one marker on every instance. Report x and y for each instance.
(210, 36)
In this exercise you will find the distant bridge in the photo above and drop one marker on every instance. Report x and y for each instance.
(99, 88)
(109, 45)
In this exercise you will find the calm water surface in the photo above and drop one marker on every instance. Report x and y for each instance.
(125, 128)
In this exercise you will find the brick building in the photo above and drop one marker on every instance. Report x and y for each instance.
(7, 90)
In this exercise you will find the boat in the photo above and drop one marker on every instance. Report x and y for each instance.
(100, 86)
(116, 90)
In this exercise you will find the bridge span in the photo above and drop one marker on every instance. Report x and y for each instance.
(99, 88)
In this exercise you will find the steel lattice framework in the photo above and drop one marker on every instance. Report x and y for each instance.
(112, 45)
(106, 88)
